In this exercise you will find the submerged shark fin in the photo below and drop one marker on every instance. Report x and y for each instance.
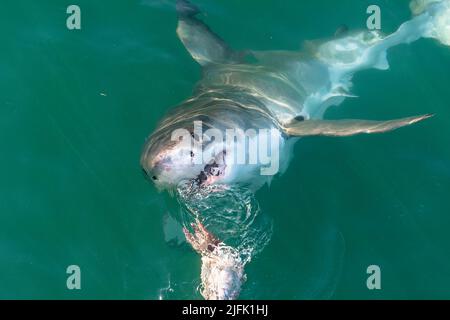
(343, 128)
(203, 44)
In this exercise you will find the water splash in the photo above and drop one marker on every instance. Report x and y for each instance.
(231, 213)
(233, 216)
(165, 291)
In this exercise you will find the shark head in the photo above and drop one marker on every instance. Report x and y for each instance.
(177, 156)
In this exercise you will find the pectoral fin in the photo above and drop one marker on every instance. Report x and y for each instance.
(343, 128)
(203, 44)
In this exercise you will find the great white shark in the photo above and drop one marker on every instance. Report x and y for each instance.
(281, 94)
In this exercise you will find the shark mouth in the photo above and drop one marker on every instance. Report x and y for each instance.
(213, 171)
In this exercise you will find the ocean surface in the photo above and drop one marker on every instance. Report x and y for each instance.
(77, 105)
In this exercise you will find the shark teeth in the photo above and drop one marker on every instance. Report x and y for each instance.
(212, 171)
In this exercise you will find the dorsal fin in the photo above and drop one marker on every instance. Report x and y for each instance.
(204, 45)
(186, 9)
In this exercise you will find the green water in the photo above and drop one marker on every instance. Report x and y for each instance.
(76, 106)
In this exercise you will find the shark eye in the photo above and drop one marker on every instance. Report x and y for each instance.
(192, 154)
(155, 178)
